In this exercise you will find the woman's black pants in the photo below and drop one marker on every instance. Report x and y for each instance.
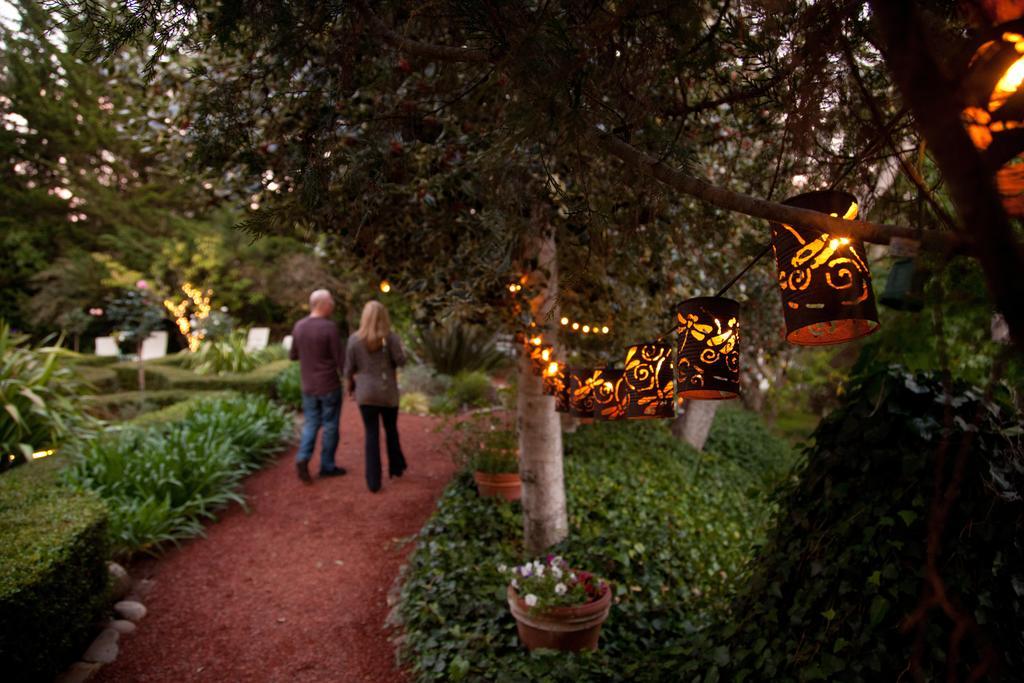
(396, 461)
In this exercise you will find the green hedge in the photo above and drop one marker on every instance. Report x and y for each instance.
(742, 437)
(132, 405)
(53, 577)
(262, 380)
(669, 534)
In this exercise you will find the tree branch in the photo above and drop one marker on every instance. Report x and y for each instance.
(441, 53)
(773, 211)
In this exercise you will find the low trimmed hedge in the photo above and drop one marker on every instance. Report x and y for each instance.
(53, 576)
(125, 405)
(262, 380)
(669, 527)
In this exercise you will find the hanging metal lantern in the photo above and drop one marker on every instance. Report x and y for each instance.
(540, 356)
(824, 279)
(611, 398)
(553, 378)
(562, 392)
(581, 391)
(708, 354)
(648, 380)
(993, 111)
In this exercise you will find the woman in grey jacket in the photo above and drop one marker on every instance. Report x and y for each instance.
(371, 357)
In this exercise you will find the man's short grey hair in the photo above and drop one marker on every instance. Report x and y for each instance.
(318, 297)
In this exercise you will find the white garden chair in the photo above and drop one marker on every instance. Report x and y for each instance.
(287, 342)
(257, 339)
(107, 346)
(155, 345)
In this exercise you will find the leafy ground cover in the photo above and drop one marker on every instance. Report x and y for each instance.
(161, 481)
(669, 527)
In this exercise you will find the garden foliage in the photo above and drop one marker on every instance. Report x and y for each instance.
(161, 482)
(831, 596)
(742, 437)
(41, 398)
(455, 348)
(229, 355)
(53, 576)
(288, 386)
(668, 542)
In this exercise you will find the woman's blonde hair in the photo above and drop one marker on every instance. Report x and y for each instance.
(374, 325)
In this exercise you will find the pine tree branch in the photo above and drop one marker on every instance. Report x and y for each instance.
(442, 53)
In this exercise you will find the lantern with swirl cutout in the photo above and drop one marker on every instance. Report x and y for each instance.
(611, 397)
(824, 279)
(648, 381)
(708, 353)
(581, 391)
(993, 112)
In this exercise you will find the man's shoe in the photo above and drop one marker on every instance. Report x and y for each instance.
(303, 471)
(336, 472)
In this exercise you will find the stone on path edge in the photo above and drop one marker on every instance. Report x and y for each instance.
(104, 648)
(130, 610)
(79, 672)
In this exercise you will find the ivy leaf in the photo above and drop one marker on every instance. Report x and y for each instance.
(829, 614)
(908, 516)
(879, 608)
(721, 655)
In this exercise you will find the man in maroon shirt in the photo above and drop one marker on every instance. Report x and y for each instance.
(316, 344)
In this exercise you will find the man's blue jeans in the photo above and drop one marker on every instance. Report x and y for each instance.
(320, 411)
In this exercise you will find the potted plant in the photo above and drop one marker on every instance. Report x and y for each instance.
(496, 466)
(557, 607)
(485, 444)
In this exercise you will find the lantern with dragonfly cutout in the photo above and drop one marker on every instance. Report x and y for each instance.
(648, 380)
(553, 378)
(708, 352)
(581, 391)
(540, 356)
(611, 396)
(824, 278)
(993, 110)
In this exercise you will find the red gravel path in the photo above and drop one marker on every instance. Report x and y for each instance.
(295, 590)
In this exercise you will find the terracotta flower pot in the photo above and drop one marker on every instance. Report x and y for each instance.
(506, 485)
(570, 629)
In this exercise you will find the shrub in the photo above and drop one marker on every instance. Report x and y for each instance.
(831, 594)
(129, 405)
(229, 355)
(471, 389)
(53, 576)
(262, 380)
(742, 437)
(484, 442)
(456, 348)
(423, 379)
(288, 386)
(42, 400)
(161, 482)
(670, 544)
(414, 403)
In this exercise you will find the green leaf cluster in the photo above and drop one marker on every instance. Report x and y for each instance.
(161, 482)
(42, 400)
(831, 596)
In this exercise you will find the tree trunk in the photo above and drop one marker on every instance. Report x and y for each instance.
(931, 97)
(545, 517)
(142, 370)
(693, 424)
